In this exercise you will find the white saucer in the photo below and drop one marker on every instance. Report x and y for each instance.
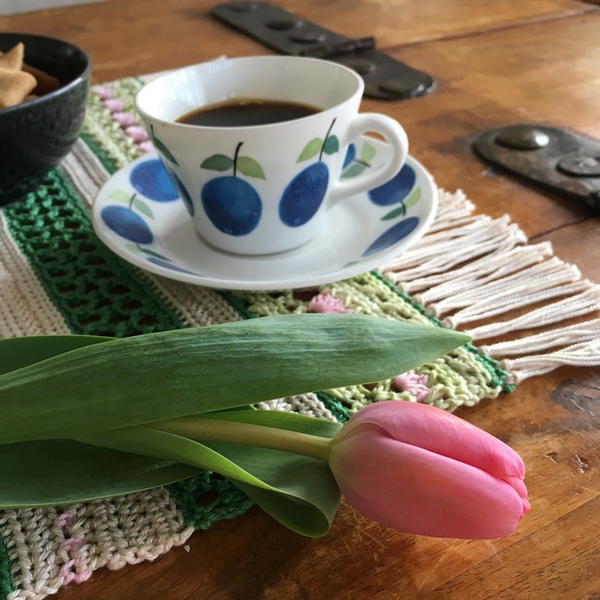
(163, 239)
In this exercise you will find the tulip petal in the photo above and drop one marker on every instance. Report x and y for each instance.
(422, 492)
(440, 432)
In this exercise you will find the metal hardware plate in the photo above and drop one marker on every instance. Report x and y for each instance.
(385, 78)
(565, 161)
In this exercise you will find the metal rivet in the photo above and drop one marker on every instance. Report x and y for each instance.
(580, 165)
(361, 65)
(522, 137)
(307, 37)
(242, 6)
(283, 24)
(404, 88)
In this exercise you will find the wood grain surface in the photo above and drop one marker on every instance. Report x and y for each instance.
(497, 63)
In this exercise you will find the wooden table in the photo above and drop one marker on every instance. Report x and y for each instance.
(497, 63)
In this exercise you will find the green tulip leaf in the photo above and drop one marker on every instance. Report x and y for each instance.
(277, 419)
(107, 386)
(304, 495)
(217, 162)
(298, 491)
(332, 145)
(353, 171)
(367, 152)
(400, 210)
(120, 196)
(311, 149)
(65, 471)
(19, 352)
(160, 146)
(142, 207)
(248, 166)
(413, 198)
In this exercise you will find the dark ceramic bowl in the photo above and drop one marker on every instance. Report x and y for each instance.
(35, 135)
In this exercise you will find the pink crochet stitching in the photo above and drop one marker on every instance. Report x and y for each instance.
(146, 147)
(136, 133)
(124, 119)
(114, 105)
(417, 385)
(103, 92)
(326, 303)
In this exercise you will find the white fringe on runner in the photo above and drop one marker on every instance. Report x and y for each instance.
(469, 268)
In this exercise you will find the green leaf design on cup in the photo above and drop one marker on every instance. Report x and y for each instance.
(367, 152)
(331, 145)
(353, 171)
(217, 162)
(311, 149)
(248, 166)
(160, 146)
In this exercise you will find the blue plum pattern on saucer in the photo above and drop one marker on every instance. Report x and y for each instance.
(150, 179)
(304, 194)
(396, 189)
(232, 205)
(400, 190)
(392, 235)
(128, 222)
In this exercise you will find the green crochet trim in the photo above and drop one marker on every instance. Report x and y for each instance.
(96, 292)
(206, 499)
(337, 409)
(237, 304)
(6, 582)
(107, 162)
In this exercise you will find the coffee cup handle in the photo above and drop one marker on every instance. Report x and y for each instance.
(394, 135)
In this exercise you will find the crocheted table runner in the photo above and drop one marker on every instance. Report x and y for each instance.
(56, 277)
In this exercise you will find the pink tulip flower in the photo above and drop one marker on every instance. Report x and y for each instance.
(421, 470)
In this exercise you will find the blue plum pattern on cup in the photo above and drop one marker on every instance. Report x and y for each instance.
(350, 155)
(304, 194)
(354, 165)
(232, 205)
(151, 179)
(392, 236)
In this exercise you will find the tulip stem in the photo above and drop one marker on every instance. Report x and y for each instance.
(200, 430)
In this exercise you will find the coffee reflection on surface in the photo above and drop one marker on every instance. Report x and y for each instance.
(242, 112)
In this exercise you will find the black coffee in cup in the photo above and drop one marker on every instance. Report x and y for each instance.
(241, 112)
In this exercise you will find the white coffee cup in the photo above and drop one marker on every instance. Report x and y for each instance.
(264, 188)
